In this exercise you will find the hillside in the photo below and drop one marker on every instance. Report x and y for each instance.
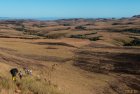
(71, 56)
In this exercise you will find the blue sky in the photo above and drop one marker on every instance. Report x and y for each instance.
(69, 8)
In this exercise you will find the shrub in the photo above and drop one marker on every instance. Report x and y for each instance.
(66, 25)
(133, 30)
(95, 38)
(80, 27)
(78, 36)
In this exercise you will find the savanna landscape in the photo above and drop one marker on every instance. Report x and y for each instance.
(71, 56)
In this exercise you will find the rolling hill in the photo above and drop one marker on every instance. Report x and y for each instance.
(71, 56)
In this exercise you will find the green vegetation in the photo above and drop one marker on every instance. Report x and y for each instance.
(91, 33)
(133, 30)
(135, 42)
(85, 36)
(80, 27)
(95, 38)
(20, 28)
(78, 36)
(66, 24)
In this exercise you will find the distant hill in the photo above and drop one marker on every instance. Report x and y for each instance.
(136, 16)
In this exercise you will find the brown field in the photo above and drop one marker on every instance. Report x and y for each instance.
(91, 56)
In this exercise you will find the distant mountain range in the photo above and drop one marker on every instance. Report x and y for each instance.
(51, 18)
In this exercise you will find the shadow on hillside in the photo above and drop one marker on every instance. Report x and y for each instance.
(55, 44)
(107, 61)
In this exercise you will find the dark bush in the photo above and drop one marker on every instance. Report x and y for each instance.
(133, 30)
(95, 38)
(78, 36)
(116, 24)
(66, 25)
(80, 27)
(135, 42)
(20, 28)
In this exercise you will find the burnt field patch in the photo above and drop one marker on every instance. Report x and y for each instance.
(108, 61)
(125, 67)
(55, 44)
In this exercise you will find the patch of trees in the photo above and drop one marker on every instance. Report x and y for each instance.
(135, 42)
(117, 24)
(40, 34)
(133, 30)
(39, 25)
(78, 36)
(20, 28)
(91, 33)
(85, 37)
(66, 24)
(80, 27)
(129, 23)
(95, 38)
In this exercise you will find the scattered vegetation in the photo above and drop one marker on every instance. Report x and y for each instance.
(28, 85)
(85, 36)
(55, 44)
(80, 27)
(95, 38)
(111, 55)
(135, 42)
(20, 28)
(117, 24)
(133, 30)
(66, 24)
(55, 36)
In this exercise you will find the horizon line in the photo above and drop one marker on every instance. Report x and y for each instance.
(59, 18)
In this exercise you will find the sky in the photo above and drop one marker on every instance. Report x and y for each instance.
(69, 8)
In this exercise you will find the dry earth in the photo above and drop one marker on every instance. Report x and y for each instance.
(76, 56)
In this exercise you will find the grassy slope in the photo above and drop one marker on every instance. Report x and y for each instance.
(40, 54)
(65, 78)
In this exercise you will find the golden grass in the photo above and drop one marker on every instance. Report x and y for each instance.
(30, 84)
(66, 78)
